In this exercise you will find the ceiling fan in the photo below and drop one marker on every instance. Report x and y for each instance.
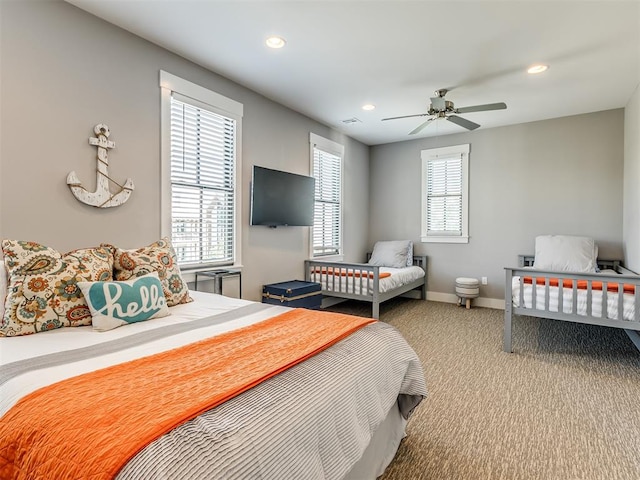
(441, 108)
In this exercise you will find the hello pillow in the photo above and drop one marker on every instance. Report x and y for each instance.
(113, 304)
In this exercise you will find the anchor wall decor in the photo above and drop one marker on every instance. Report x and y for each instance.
(102, 197)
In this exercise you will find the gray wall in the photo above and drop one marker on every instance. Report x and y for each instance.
(63, 71)
(559, 176)
(631, 229)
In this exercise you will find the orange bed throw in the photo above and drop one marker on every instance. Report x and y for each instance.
(344, 272)
(89, 426)
(582, 284)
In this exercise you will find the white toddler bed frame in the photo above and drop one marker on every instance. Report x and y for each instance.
(624, 276)
(366, 276)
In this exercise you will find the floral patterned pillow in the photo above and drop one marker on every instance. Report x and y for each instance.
(42, 287)
(157, 257)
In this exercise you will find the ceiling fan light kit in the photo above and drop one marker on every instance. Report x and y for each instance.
(441, 108)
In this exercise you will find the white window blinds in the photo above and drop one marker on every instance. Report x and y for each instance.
(202, 183)
(327, 222)
(444, 196)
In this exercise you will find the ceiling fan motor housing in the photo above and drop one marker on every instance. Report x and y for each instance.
(436, 109)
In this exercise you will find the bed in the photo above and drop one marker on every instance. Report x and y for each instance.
(204, 392)
(367, 282)
(391, 270)
(607, 294)
(253, 435)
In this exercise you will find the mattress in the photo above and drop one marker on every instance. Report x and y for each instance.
(257, 433)
(567, 300)
(364, 286)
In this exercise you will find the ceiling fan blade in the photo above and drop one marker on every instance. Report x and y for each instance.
(420, 127)
(482, 108)
(406, 116)
(463, 122)
(437, 103)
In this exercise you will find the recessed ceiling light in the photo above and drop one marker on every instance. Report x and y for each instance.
(275, 42)
(368, 106)
(537, 68)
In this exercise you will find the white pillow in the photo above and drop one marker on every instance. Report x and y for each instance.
(565, 253)
(392, 253)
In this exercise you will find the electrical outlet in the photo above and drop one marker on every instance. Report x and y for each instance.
(484, 280)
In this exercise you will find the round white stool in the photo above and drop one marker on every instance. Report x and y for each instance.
(466, 289)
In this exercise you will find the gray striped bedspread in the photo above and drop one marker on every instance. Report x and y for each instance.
(312, 421)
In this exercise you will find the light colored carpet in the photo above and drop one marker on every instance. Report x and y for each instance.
(564, 406)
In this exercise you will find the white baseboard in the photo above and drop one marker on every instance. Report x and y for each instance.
(477, 302)
(435, 297)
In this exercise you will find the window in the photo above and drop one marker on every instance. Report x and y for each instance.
(200, 194)
(326, 168)
(445, 190)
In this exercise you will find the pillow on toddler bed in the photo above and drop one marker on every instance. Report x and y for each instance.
(566, 253)
(393, 254)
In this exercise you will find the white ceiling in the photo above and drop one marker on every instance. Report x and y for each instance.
(395, 54)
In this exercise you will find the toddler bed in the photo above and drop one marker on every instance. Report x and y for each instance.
(165, 397)
(571, 284)
(392, 270)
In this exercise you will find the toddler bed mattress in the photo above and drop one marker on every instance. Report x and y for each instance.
(254, 434)
(567, 297)
(352, 282)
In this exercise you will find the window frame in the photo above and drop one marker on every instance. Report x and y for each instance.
(439, 153)
(334, 148)
(200, 97)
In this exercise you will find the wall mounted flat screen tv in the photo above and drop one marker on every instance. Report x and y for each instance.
(281, 198)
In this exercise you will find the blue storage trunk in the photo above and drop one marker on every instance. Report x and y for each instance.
(295, 293)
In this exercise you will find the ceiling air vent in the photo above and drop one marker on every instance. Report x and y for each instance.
(349, 121)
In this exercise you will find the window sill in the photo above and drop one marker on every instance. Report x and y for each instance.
(444, 239)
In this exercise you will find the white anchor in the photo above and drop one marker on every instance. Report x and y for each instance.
(102, 197)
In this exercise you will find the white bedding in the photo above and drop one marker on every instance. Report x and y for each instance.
(257, 433)
(567, 300)
(19, 348)
(345, 284)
